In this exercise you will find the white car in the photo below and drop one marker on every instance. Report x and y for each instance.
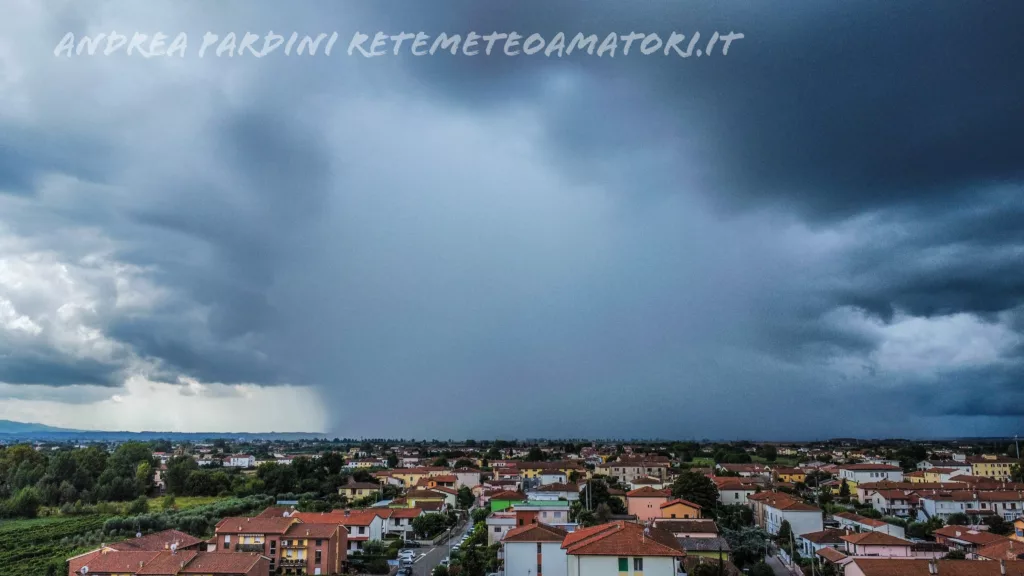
(406, 554)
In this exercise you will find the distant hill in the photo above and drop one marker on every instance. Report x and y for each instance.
(14, 431)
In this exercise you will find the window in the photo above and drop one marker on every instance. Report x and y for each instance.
(318, 559)
(319, 542)
(227, 538)
(623, 565)
(497, 528)
(638, 564)
(521, 522)
(362, 530)
(538, 550)
(538, 568)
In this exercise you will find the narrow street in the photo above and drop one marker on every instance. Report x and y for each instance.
(779, 567)
(431, 557)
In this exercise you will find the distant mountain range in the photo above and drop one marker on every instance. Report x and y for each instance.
(14, 431)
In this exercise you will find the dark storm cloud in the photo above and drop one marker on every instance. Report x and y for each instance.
(643, 253)
(56, 370)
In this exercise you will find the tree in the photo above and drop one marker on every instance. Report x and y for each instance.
(769, 452)
(442, 461)
(955, 555)
(997, 525)
(603, 513)
(923, 530)
(392, 460)
(178, 469)
(464, 463)
(735, 517)
(138, 506)
(785, 533)
(440, 570)
(464, 499)
(1017, 473)
(24, 504)
(844, 489)
(762, 569)
(959, 519)
(696, 488)
(535, 454)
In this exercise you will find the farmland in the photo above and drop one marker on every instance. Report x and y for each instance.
(34, 547)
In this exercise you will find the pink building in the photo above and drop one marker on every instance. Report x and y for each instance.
(645, 503)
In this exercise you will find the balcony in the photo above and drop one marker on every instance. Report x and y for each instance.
(293, 544)
(292, 562)
(249, 548)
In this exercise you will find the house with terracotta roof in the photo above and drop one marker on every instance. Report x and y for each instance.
(771, 509)
(746, 470)
(555, 491)
(915, 567)
(966, 539)
(902, 503)
(1006, 550)
(622, 547)
(399, 521)
(732, 490)
(163, 541)
(171, 563)
(876, 544)
(534, 550)
(550, 512)
(258, 535)
(651, 481)
(504, 499)
(942, 503)
(991, 466)
(679, 508)
(812, 542)
(858, 523)
(308, 548)
(628, 468)
(645, 503)
(499, 524)
(355, 490)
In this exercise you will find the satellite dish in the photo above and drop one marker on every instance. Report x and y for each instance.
(174, 547)
(138, 534)
(84, 570)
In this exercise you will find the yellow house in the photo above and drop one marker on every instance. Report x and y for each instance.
(535, 469)
(356, 490)
(415, 497)
(915, 477)
(411, 476)
(996, 467)
(680, 509)
(792, 475)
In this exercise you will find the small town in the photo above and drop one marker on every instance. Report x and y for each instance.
(486, 508)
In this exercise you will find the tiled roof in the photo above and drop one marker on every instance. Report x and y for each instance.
(354, 517)
(165, 563)
(120, 562)
(222, 563)
(274, 512)
(977, 537)
(557, 487)
(647, 480)
(687, 525)
(874, 467)
(831, 554)
(508, 495)
(422, 494)
(1004, 550)
(914, 567)
(782, 501)
(430, 506)
(406, 512)
(826, 536)
(621, 539)
(681, 501)
(312, 530)
(875, 539)
(245, 525)
(648, 492)
(535, 533)
(157, 541)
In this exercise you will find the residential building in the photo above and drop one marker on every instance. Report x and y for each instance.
(308, 548)
(362, 525)
(1005, 503)
(771, 509)
(622, 548)
(995, 467)
(556, 491)
(876, 544)
(902, 503)
(791, 475)
(498, 525)
(240, 461)
(649, 481)
(399, 522)
(733, 490)
(259, 534)
(966, 539)
(553, 471)
(929, 464)
(645, 503)
(921, 567)
(680, 508)
(628, 468)
(356, 490)
(746, 470)
(550, 512)
(858, 523)
(534, 550)
(468, 477)
(714, 548)
(168, 563)
(857, 473)
(505, 499)
(812, 542)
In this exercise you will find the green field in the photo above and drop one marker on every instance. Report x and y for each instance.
(29, 547)
(182, 502)
(703, 462)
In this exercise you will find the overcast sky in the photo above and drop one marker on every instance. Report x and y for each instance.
(818, 234)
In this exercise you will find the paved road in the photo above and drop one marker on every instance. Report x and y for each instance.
(779, 567)
(431, 557)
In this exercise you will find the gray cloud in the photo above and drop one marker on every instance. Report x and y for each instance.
(512, 246)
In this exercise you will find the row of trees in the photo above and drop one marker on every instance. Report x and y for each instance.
(30, 478)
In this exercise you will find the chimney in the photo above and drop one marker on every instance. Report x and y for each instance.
(1002, 567)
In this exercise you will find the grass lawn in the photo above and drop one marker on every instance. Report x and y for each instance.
(182, 502)
(703, 462)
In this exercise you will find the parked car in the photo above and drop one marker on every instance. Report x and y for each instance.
(404, 553)
(411, 544)
(404, 572)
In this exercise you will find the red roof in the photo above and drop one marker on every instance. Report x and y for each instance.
(782, 501)
(165, 563)
(120, 562)
(648, 492)
(222, 563)
(535, 533)
(354, 517)
(245, 525)
(406, 512)
(860, 519)
(622, 539)
(875, 539)
(157, 541)
(681, 501)
(508, 495)
(914, 567)
(977, 537)
(312, 530)
(869, 467)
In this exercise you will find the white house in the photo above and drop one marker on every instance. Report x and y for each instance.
(1005, 503)
(620, 548)
(771, 509)
(550, 512)
(858, 523)
(498, 525)
(733, 490)
(552, 477)
(467, 477)
(858, 473)
(240, 461)
(559, 491)
(534, 549)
